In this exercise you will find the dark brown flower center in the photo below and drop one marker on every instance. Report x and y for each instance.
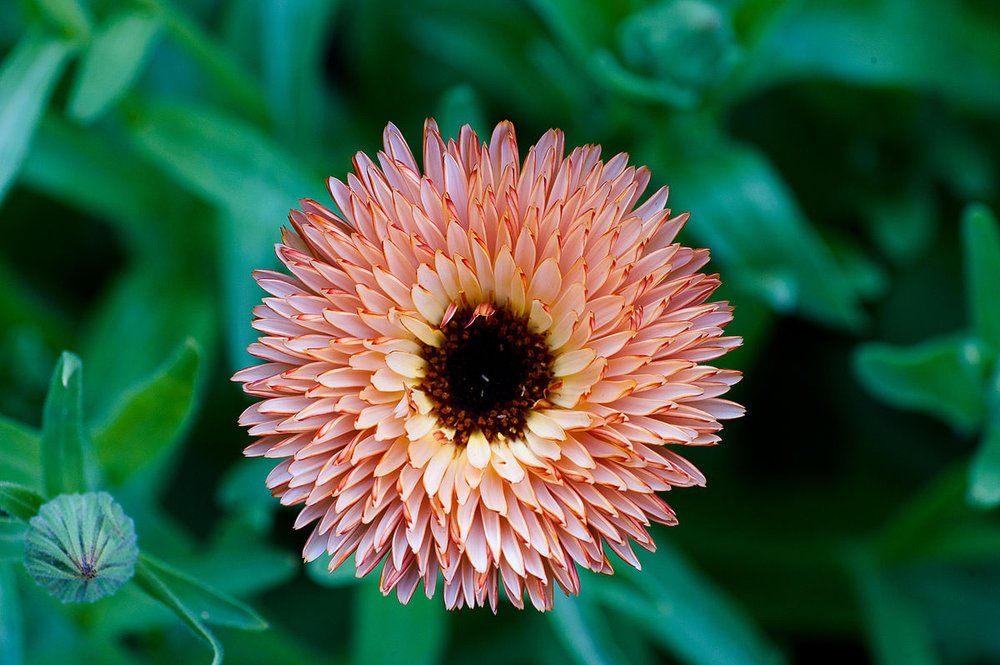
(489, 371)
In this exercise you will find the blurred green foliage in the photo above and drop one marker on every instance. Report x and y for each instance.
(839, 158)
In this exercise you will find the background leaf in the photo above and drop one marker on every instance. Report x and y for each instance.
(150, 419)
(123, 345)
(984, 474)
(11, 543)
(982, 246)
(70, 16)
(19, 501)
(895, 628)
(585, 636)
(253, 182)
(871, 42)
(224, 72)
(111, 63)
(20, 454)
(149, 580)
(27, 76)
(681, 610)
(963, 534)
(243, 491)
(65, 444)
(319, 572)
(752, 222)
(11, 621)
(418, 630)
(943, 377)
(84, 169)
(207, 604)
(293, 78)
(460, 106)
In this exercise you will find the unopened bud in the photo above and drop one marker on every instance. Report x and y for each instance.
(81, 547)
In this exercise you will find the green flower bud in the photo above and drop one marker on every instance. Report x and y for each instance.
(688, 43)
(81, 547)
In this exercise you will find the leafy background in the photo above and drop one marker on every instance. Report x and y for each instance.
(839, 158)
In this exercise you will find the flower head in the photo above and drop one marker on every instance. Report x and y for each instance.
(478, 370)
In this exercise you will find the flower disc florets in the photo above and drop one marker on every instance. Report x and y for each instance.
(477, 369)
(488, 372)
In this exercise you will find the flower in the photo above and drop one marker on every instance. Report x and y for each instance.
(81, 547)
(478, 371)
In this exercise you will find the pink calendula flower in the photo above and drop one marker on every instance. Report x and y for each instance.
(477, 371)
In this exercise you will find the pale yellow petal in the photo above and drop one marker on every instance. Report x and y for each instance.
(422, 331)
(572, 362)
(544, 426)
(406, 364)
(478, 450)
(420, 425)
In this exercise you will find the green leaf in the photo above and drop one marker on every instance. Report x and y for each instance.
(319, 572)
(29, 319)
(579, 25)
(19, 501)
(149, 419)
(260, 568)
(261, 565)
(903, 225)
(11, 619)
(11, 542)
(459, 106)
(984, 473)
(418, 630)
(27, 76)
(583, 630)
(871, 42)
(64, 443)
(293, 36)
(743, 210)
(686, 614)
(943, 377)
(500, 47)
(150, 582)
(224, 160)
(112, 62)
(958, 607)
(962, 534)
(280, 646)
(122, 343)
(982, 252)
(243, 492)
(71, 17)
(208, 604)
(249, 247)
(95, 173)
(252, 180)
(897, 634)
(226, 75)
(962, 161)
(867, 277)
(20, 453)
(936, 504)
(638, 87)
